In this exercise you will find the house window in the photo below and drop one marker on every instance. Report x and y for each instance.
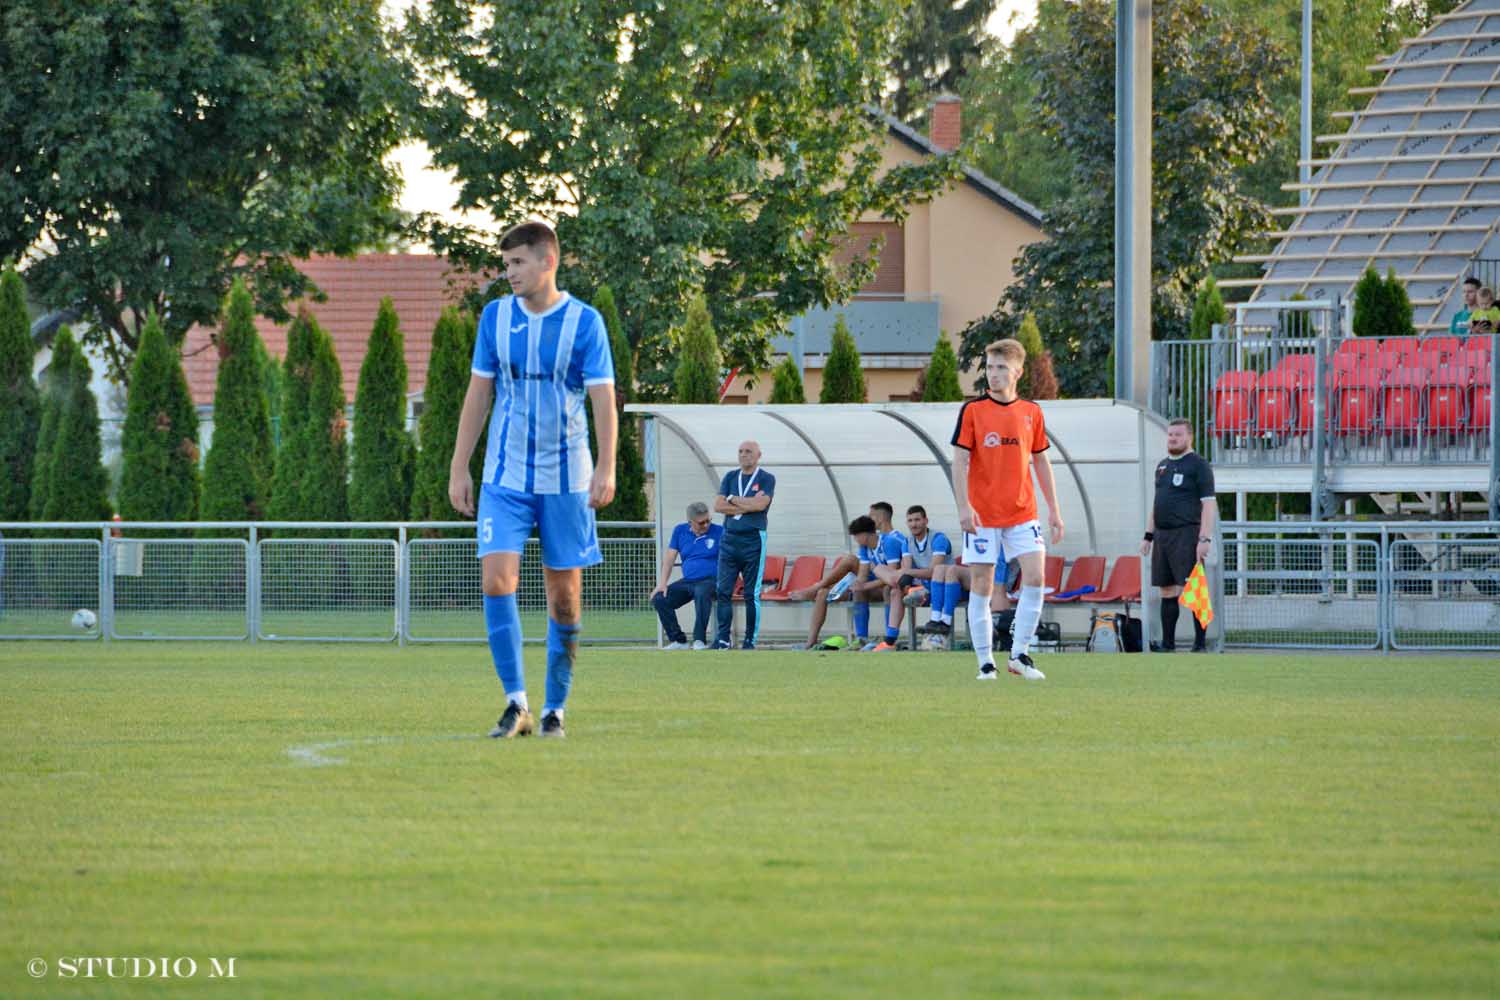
(890, 267)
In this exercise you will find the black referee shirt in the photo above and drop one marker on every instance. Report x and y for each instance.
(1182, 484)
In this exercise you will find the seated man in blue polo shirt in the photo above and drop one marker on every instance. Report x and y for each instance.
(696, 540)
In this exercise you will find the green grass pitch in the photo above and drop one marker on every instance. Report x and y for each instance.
(768, 824)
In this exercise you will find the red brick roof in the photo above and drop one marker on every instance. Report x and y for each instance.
(419, 285)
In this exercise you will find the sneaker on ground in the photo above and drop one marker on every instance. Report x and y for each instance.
(1022, 667)
(869, 646)
(723, 645)
(678, 644)
(552, 726)
(699, 645)
(515, 721)
(938, 628)
(987, 672)
(884, 647)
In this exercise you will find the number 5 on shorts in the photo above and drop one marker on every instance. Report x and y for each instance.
(487, 530)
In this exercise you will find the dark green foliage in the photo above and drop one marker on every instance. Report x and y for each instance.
(54, 392)
(629, 503)
(1398, 307)
(381, 481)
(941, 384)
(939, 43)
(698, 360)
(153, 151)
(1369, 304)
(291, 457)
(237, 473)
(1212, 115)
(786, 385)
(324, 491)
(78, 487)
(159, 477)
(20, 402)
(1208, 311)
(1031, 339)
(442, 403)
(651, 152)
(843, 377)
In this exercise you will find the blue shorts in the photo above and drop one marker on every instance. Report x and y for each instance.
(565, 522)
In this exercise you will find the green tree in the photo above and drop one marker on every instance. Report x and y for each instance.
(699, 361)
(442, 404)
(152, 153)
(1398, 307)
(941, 384)
(159, 475)
(939, 42)
(379, 489)
(291, 442)
(843, 378)
(19, 400)
(629, 503)
(1212, 115)
(324, 495)
(1208, 311)
(682, 148)
(1369, 305)
(54, 397)
(79, 485)
(786, 384)
(237, 472)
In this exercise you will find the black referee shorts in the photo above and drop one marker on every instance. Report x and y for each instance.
(1174, 552)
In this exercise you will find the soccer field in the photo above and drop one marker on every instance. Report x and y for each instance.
(769, 824)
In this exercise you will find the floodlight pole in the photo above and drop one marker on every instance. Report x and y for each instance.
(1132, 200)
(1304, 168)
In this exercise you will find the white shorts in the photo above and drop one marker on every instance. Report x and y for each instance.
(990, 545)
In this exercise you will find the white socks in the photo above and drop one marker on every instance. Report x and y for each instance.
(981, 628)
(519, 699)
(1028, 613)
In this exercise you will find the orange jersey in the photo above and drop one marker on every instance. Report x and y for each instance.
(1000, 439)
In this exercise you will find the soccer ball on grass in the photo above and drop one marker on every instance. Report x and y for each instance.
(84, 620)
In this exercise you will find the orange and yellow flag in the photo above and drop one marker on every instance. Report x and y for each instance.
(1195, 596)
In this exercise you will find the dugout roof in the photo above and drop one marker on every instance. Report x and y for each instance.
(831, 461)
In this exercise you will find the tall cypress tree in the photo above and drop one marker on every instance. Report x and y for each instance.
(1208, 311)
(291, 458)
(699, 360)
(380, 488)
(941, 385)
(843, 376)
(629, 503)
(1398, 312)
(786, 383)
(442, 404)
(1369, 304)
(19, 401)
(78, 487)
(237, 474)
(324, 495)
(159, 477)
(54, 393)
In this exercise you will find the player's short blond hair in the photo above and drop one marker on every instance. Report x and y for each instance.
(1010, 349)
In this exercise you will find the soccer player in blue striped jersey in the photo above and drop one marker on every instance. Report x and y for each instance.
(538, 353)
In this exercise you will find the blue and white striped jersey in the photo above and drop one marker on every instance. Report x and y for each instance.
(542, 366)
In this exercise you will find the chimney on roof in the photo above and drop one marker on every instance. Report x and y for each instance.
(946, 132)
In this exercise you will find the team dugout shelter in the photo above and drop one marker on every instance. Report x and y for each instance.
(831, 461)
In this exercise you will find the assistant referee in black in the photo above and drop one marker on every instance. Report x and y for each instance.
(1180, 528)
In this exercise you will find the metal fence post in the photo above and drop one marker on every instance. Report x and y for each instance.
(252, 584)
(106, 584)
(403, 586)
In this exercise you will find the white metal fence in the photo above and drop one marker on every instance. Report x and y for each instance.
(290, 581)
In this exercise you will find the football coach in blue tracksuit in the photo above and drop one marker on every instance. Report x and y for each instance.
(743, 498)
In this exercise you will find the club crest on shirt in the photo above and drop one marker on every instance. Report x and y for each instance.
(709, 544)
(1177, 479)
(981, 545)
(992, 440)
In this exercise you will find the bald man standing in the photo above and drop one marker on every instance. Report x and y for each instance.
(743, 498)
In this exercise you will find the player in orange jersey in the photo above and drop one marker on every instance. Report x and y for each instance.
(998, 441)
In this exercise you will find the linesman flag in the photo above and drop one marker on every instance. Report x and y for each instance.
(1195, 596)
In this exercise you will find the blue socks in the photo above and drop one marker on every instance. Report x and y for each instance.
(862, 619)
(892, 634)
(502, 620)
(562, 650)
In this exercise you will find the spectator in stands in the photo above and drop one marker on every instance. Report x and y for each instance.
(744, 496)
(696, 540)
(852, 576)
(1179, 529)
(1460, 324)
(1486, 318)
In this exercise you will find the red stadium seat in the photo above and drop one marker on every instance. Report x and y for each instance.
(1124, 583)
(806, 571)
(1480, 343)
(1356, 401)
(1300, 365)
(1479, 401)
(1276, 400)
(1052, 574)
(1402, 352)
(1442, 347)
(1447, 396)
(1087, 571)
(1364, 352)
(1402, 398)
(1234, 402)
